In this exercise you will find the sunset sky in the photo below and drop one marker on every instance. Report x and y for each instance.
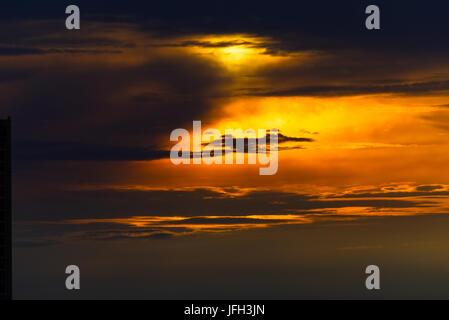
(362, 175)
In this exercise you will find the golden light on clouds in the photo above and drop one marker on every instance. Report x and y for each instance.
(238, 53)
(360, 119)
(357, 139)
(364, 139)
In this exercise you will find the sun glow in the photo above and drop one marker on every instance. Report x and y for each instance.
(237, 52)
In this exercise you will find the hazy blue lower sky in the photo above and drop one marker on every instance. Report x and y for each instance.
(322, 260)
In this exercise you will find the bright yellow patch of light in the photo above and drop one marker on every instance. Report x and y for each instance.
(344, 122)
(243, 51)
(238, 54)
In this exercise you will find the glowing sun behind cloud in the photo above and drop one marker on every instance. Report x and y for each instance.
(237, 52)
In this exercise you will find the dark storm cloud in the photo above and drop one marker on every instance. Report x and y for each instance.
(250, 145)
(59, 41)
(296, 25)
(421, 192)
(208, 44)
(406, 88)
(352, 72)
(133, 234)
(79, 151)
(92, 110)
(110, 203)
(429, 188)
(56, 233)
(27, 235)
(283, 138)
(17, 51)
(226, 221)
(37, 36)
(64, 151)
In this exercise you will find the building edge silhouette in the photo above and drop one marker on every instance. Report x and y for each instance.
(5, 211)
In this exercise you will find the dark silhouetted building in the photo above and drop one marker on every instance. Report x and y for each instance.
(5, 210)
